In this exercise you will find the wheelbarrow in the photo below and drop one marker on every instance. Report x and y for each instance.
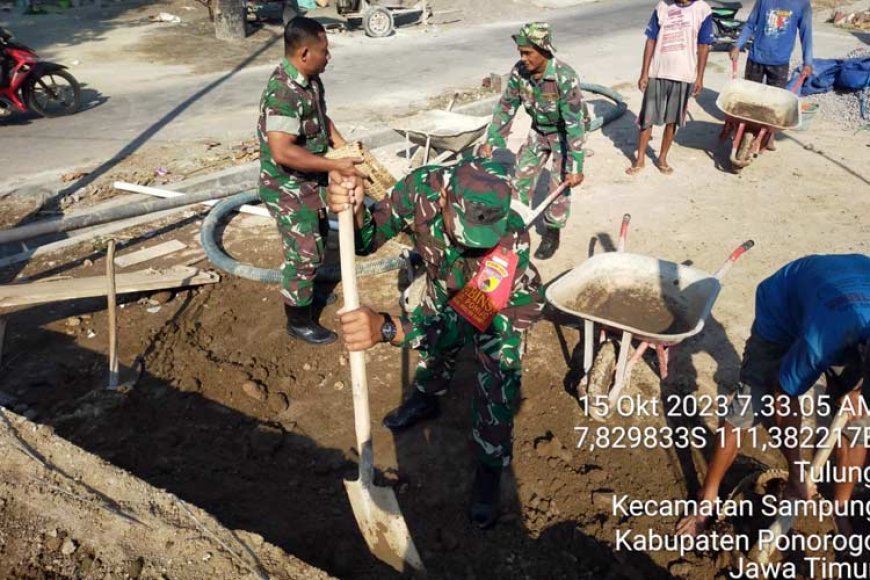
(754, 112)
(441, 134)
(378, 16)
(642, 298)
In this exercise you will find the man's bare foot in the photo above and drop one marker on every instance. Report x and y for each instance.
(692, 525)
(634, 170)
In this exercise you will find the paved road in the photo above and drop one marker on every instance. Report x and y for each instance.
(367, 80)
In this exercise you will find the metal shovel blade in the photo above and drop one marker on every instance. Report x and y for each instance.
(380, 520)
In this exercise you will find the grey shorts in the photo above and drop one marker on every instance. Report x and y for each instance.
(753, 401)
(664, 103)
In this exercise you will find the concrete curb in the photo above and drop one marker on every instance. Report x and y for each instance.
(45, 187)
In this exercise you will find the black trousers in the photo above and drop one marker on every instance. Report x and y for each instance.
(773, 75)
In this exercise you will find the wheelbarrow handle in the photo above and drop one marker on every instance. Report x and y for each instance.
(739, 251)
(623, 232)
(797, 86)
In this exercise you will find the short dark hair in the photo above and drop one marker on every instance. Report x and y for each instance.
(300, 31)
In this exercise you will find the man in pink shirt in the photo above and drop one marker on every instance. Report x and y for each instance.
(679, 35)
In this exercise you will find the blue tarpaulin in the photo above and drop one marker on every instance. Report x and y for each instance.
(843, 74)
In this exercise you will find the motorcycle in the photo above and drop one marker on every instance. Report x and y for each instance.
(726, 26)
(28, 83)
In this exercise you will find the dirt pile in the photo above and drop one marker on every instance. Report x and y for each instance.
(67, 514)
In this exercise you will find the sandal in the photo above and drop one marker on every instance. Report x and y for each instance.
(666, 169)
(634, 170)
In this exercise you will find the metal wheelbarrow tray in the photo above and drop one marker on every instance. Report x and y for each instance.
(658, 302)
(653, 299)
(762, 104)
(443, 132)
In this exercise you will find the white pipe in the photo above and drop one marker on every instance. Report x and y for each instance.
(168, 193)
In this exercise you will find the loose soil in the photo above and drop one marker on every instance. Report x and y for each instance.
(232, 416)
(236, 419)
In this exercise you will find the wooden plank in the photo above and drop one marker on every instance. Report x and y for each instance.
(151, 253)
(141, 281)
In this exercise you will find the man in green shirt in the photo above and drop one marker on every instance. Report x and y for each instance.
(294, 133)
(549, 90)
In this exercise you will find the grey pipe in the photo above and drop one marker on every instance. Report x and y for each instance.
(111, 214)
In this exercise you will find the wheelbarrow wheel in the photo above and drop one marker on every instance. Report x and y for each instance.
(601, 376)
(745, 146)
(378, 22)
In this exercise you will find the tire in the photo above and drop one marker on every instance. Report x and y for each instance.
(54, 94)
(601, 377)
(745, 145)
(378, 22)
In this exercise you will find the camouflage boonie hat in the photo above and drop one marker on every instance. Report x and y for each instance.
(480, 197)
(537, 34)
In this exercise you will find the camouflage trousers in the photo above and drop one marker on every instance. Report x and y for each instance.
(303, 227)
(530, 162)
(496, 394)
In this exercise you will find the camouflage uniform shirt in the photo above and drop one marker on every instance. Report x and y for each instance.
(295, 105)
(414, 204)
(554, 103)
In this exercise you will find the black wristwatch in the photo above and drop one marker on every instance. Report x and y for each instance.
(388, 329)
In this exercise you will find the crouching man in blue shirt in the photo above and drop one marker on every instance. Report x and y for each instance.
(812, 317)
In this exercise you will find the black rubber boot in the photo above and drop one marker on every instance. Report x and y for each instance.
(549, 244)
(484, 496)
(301, 325)
(418, 407)
(324, 299)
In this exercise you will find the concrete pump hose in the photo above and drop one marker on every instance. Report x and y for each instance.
(330, 273)
(612, 114)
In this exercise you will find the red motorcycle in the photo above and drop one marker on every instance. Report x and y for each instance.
(28, 83)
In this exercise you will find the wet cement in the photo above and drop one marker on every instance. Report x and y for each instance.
(641, 309)
(759, 114)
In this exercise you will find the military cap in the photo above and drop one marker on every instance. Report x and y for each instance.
(537, 34)
(480, 199)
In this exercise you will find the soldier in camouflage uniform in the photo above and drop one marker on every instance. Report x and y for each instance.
(549, 90)
(294, 133)
(455, 216)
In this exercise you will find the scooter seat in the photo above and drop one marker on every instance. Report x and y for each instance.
(729, 5)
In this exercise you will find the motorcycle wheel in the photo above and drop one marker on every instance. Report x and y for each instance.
(54, 94)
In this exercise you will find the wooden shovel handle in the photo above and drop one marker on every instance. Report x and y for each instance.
(359, 385)
(113, 322)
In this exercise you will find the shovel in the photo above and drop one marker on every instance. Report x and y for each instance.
(528, 214)
(375, 508)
